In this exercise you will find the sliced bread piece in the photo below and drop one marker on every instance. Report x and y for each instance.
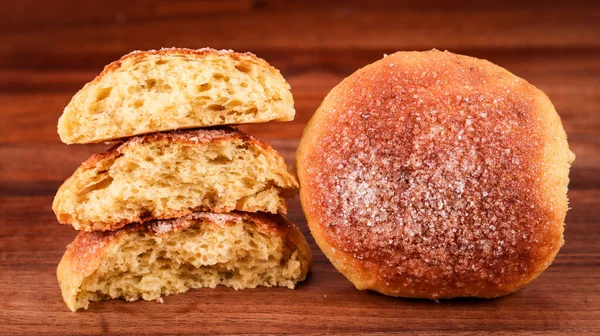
(168, 89)
(147, 261)
(168, 175)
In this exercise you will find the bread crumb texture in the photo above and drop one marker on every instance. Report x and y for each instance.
(159, 258)
(175, 88)
(167, 175)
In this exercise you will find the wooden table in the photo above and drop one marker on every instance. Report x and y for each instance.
(48, 50)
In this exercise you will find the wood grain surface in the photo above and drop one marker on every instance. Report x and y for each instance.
(49, 49)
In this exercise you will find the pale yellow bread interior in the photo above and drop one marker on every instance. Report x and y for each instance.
(159, 258)
(168, 175)
(168, 89)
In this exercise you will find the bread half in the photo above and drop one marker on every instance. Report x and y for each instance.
(168, 175)
(147, 261)
(168, 89)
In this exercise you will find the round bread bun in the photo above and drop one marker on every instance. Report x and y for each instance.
(435, 175)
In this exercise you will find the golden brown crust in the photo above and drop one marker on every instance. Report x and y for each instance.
(84, 255)
(187, 136)
(140, 55)
(435, 175)
(194, 137)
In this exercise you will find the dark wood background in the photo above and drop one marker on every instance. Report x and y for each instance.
(49, 49)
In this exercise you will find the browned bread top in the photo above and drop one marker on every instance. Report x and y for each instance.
(140, 55)
(431, 174)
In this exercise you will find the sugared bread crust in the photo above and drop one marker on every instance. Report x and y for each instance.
(436, 175)
(171, 174)
(175, 88)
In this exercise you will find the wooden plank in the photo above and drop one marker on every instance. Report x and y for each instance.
(32, 101)
(31, 13)
(466, 28)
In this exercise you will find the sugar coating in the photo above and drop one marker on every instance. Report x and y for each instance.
(193, 136)
(160, 227)
(430, 170)
(186, 51)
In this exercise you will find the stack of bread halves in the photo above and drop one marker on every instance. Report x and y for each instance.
(181, 201)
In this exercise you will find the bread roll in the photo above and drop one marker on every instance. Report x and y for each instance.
(168, 175)
(147, 261)
(168, 89)
(435, 175)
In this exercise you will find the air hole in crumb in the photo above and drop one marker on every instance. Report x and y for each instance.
(150, 83)
(248, 182)
(102, 184)
(131, 166)
(211, 197)
(219, 76)
(244, 84)
(103, 93)
(160, 62)
(216, 107)
(138, 103)
(252, 111)
(220, 159)
(234, 103)
(203, 87)
(245, 68)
